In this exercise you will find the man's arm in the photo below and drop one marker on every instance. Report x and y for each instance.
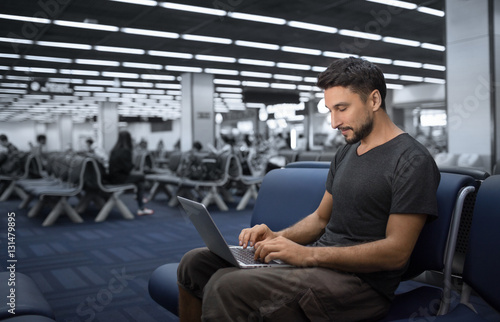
(303, 232)
(390, 253)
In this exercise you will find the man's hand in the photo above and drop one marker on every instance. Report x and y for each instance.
(250, 236)
(286, 250)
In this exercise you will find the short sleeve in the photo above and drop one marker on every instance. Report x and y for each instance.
(414, 187)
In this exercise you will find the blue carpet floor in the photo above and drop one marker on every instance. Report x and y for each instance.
(100, 271)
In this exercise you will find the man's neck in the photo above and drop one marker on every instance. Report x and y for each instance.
(383, 131)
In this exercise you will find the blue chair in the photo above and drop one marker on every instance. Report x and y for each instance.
(482, 263)
(434, 252)
(285, 197)
(309, 164)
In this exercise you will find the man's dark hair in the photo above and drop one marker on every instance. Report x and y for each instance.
(359, 75)
(3, 138)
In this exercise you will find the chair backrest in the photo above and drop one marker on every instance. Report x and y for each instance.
(431, 248)
(77, 169)
(309, 164)
(327, 156)
(482, 261)
(288, 195)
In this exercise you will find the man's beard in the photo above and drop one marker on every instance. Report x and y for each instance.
(365, 129)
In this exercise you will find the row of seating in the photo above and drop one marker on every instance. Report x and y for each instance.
(67, 176)
(180, 180)
(296, 191)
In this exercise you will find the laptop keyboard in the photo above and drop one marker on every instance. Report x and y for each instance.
(245, 256)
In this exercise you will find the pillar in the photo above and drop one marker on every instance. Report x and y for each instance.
(107, 129)
(471, 40)
(65, 128)
(197, 115)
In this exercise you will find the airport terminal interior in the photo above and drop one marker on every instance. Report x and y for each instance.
(215, 95)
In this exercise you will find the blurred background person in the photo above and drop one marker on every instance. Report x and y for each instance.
(121, 166)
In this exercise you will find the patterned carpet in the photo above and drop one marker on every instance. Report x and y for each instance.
(99, 271)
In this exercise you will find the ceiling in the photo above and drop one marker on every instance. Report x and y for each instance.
(83, 52)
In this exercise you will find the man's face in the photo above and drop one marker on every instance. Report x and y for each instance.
(349, 114)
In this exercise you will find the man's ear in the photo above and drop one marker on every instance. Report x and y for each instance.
(375, 99)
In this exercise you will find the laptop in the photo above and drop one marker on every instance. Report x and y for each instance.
(211, 235)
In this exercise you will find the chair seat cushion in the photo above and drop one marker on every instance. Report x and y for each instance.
(163, 287)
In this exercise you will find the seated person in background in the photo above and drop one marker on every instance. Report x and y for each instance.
(121, 166)
(94, 150)
(39, 149)
(7, 146)
(350, 253)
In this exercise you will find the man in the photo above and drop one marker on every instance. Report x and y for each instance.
(6, 144)
(351, 251)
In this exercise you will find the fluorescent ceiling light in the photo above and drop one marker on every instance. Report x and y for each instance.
(23, 18)
(35, 69)
(431, 11)
(433, 47)
(299, 50)
(378, 60)
(231, 95)
(291, 78)
(312, 26)
(49, 59)
(311, 79)
(434, 80)
(140, 2)
(391, 76)
(89, 88)
(85, 25)
(120, 75)
(256, 74)
(256, 62)
(395, 86)
(256, 105)
(138, 84)
(216, 58)
(410, 78)
(434, 67)
(405, 63)
(66, 80)
(293, 66)
(168, 86)
(335, 54)
(120, 90)
(221, 71)
(97, 62)
(359, 34)
(396, 3)
(401, 41)
(216, 40)
(99, 82)
(254, 44)
(255, 84)
(257, 18)
(19, 78)
(227, 82)
(14, 56)
(151, 91)
(318, 69)
(158, 77)
(153, 33)
(169, 54)
(185, 7)
(142, 65)
(122, 50)
(17, 40)
(229, 89)
(283, 86)
(13, 91)
(186, 69)
(64, 45)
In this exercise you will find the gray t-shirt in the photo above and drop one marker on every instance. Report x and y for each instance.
(398, 177)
